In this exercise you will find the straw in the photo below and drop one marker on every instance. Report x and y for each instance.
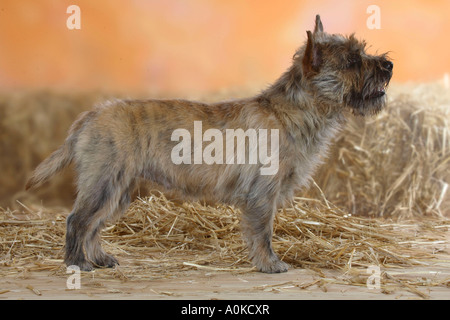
(159, 237)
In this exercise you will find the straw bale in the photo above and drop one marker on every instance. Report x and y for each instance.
(32, 125)
(397, 164)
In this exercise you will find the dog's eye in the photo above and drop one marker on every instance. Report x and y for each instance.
(353, 60)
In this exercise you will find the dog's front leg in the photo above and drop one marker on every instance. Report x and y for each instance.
(257, 227)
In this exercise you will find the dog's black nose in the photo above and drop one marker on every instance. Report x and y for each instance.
(388, 65)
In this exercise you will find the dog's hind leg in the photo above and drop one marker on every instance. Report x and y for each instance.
(115, 210)
(101, 188)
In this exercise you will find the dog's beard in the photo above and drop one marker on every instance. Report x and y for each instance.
(370, 100)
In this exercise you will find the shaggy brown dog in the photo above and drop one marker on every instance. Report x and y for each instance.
(121, 141)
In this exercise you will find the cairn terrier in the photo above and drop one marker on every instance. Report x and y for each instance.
(118, 142)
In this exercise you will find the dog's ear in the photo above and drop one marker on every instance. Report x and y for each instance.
(319, 26)
(312, 59)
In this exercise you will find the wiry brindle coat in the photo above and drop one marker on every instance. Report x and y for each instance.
(121, 141)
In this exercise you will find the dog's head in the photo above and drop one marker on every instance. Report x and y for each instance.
(338, 71)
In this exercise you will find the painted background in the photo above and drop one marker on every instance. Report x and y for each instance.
(202, 45)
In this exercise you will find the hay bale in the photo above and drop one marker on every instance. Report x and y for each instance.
(32, 125)
(397, 164)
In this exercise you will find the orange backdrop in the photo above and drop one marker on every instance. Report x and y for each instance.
(201, 45)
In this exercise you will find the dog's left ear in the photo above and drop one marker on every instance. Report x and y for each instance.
(319, 26)
(312, 60)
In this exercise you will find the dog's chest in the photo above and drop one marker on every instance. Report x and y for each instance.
(308, 149)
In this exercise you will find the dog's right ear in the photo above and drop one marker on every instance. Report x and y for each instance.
(312, 59)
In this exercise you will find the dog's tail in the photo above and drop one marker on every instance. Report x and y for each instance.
(62, 157)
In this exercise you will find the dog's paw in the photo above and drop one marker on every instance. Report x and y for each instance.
(276, 266)
(106, 261)
(84, 265)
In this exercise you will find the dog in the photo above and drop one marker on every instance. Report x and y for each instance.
(121, 141)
